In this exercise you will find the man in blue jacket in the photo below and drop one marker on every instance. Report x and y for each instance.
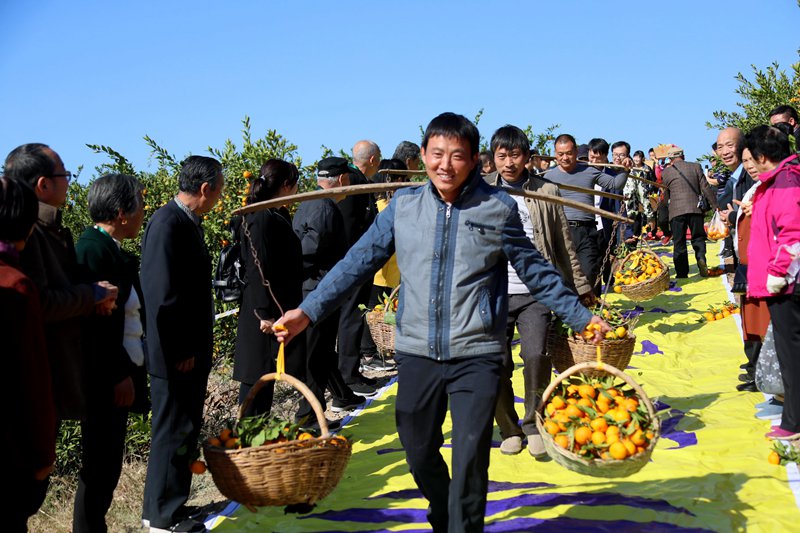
(454, 238)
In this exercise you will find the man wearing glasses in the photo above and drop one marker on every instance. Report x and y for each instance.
(49, 259)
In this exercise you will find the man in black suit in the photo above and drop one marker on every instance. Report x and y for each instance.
(176, 282)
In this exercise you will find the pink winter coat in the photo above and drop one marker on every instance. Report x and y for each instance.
(775, 224)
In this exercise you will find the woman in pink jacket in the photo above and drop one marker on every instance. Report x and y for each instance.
(774, 258)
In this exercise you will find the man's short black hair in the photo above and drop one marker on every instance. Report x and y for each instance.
(714, 146)
(196, 170)
(510, 138)
(621, 143)
(19, 209)
(112, 193)
(452, 125)
(768, 141)
(785, 110)
(598, 145)
(565, 138)
(406, 150)
(30, 161)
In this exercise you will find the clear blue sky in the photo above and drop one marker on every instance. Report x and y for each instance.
(186, 73)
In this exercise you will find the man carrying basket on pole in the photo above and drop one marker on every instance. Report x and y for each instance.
(454, 238)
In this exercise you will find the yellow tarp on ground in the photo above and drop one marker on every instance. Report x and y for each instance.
(708, 472)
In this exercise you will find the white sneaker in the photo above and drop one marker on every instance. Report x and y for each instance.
(511, 445)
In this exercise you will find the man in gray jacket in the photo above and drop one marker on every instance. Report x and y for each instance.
(454, 238)
(546, 226)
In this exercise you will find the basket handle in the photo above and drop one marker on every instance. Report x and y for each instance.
(575, 369)
(299, 386)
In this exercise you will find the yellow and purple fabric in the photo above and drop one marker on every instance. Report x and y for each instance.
(709, 471)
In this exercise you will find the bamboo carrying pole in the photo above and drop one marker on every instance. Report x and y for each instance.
(612, 165)
(573, 188)
(384, 187)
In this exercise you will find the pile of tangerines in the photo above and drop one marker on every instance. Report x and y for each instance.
(720, 311)
(716, 234)
(640, 266)
(597, 419)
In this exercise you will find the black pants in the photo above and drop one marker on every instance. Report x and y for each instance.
(103, 442)
(322, 371)
(585, 239)
(177, 418)
(662, 219)
(22, 501)
(295, 364)
(785, 314)
(680, 256)
(424, 386)
(752, 349)
(531, 318)
(351, 328)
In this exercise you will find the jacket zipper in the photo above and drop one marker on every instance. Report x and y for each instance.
(480, 227)
(440, 285)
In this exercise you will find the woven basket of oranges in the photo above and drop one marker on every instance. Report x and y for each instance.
(641, 275)
(568, 348)
(598, 426)
(294, 468)
(381, 322)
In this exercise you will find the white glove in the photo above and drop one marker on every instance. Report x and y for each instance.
(775, 284)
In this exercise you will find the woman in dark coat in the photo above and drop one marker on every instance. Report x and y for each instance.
(280, 256)
(112, 345)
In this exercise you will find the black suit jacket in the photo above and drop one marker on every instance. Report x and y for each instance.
(358, 210)
(176, 283)
(278, 251)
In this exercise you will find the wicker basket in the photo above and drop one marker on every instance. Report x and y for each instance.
(382, 333)
(298, 471)
(598, 467)
(568, 351)
(644, 290)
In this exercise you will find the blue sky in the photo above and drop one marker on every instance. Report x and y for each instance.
(186, 73)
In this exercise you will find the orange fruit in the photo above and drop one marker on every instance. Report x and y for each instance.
(562, 440)
(599, 424)
(602, 404)
(232, 443)
(572, 390)
(551, 427)
(631, 447)
(618, 451)
(587, 391)
(305, 436)
(773, 458)
(583, 434)
(225, 434)
(613, 392)
(572, 401)
(620, 415)
(572, 410)
(631, 404)
(247, 174)
(709, 316)
(598, 437)
(558, 402)
(197, 467)
(718, 316)
(617, 289)
(585, 402)
(638, 438)
(649, 435)
(621, 332)
(550, 408)
(214, 441)
(726, 313)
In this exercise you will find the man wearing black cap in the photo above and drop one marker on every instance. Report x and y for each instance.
(320, 227)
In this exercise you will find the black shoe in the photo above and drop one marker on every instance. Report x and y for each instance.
(362, 389)
(313, 426)
(743, 366)
(703, 268)
(376, 363)
(726, 252)
(184, 526)
(746, 377)
(747, 386)
(347, 404)
(372, 382)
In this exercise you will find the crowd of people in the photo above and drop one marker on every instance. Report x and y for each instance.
(471, 265)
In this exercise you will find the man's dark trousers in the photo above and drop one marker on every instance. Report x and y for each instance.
(424, 386)
(177, 418)
(351, 329)
(585, 238)
(531, 318)
(680, 257)
(785, 313)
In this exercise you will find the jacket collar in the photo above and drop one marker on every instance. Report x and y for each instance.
(49, 215)
(768, 177)
(472, 182)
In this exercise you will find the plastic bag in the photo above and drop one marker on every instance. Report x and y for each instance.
(768, 372)
(717, 229)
